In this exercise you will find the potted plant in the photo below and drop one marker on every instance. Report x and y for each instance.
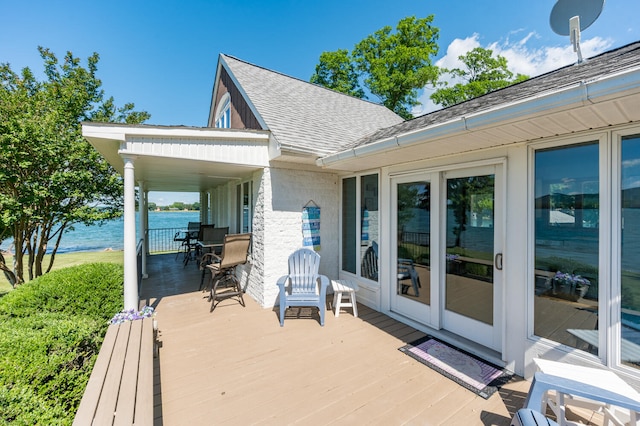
(569, 286)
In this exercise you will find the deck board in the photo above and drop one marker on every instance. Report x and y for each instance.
(237, 365)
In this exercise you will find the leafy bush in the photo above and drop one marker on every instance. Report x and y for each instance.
(93, 290)
(51, 330)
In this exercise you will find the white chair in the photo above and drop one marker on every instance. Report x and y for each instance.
(529, 417)
(303, 286)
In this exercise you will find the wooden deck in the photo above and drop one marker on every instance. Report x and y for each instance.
(236, 365)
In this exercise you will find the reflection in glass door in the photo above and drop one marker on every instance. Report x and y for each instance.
(469, 258)
(470, 234)
(413, 251)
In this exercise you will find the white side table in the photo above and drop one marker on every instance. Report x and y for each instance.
(344, 295)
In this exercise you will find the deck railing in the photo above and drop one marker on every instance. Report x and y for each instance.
(415, 245)
(161, 240)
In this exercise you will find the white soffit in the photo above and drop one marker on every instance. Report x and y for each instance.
(601, 103)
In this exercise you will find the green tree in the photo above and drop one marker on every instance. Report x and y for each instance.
(8, 273)
(396, 65)
(337, 71)
(482, 73)
(50, 177)
(393, 66)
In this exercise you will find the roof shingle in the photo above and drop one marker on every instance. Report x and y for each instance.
(306, 116)
(606, 63)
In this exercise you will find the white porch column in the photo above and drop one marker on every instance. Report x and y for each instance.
(144, 221)
(130, 262)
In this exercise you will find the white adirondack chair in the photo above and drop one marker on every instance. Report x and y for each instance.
(303, 286)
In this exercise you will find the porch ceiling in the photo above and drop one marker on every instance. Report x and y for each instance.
(184, 175)
(179, 159)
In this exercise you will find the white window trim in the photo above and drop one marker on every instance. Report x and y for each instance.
(609, 325)
(223, 106)
(358, 178)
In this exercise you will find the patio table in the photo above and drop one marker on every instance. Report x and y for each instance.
(209, 246)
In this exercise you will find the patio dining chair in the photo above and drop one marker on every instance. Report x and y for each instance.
(303, 286)
(224, 282)
(202, 228)
(213, 241)
(182, 238)
(193, 229)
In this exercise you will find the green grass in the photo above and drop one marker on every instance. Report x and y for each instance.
(66, 260)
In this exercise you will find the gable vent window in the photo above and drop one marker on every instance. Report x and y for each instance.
(223, 113)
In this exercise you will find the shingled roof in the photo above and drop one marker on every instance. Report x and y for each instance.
(606, 63)
(305, 116)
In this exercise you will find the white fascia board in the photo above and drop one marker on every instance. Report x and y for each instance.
(216, 83)
(435, 131)
(382, 145)
(123, 132)
(578, 94)
(624, 81)
(275, 148)
(581, 93)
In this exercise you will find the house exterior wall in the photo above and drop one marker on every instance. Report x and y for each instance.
(284, 193)
(515, 245)
(279, 195)
(253, 272)
(517, 298)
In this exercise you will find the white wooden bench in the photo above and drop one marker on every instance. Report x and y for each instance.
(120, 388)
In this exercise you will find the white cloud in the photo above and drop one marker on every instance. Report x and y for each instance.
(521, 58)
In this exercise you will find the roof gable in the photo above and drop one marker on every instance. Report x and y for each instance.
(304, 116)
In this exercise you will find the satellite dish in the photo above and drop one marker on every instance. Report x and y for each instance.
(569, 17)
(564, 10)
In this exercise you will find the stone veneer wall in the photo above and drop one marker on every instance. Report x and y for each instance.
(280, 194)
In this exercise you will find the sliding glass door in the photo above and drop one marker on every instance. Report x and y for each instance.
(447, 251)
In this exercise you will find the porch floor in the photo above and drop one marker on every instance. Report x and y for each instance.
(236, 365)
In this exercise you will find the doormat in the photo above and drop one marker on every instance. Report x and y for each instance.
(462, 367)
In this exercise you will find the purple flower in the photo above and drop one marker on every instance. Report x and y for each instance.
(131, 315)
(571, 279)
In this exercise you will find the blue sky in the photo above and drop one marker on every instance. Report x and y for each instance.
(162, 55)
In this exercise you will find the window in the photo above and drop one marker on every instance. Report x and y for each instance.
(244, 203)
(587, 236)
(629, 315)
(567, 242)
(360, 226)
(349, 226)
(223, 112)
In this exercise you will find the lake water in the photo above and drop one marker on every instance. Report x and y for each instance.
(111, 234)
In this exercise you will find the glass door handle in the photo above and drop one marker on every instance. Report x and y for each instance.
(497, 261)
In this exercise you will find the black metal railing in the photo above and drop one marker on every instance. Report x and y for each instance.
(415, 246)
(161, 240)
